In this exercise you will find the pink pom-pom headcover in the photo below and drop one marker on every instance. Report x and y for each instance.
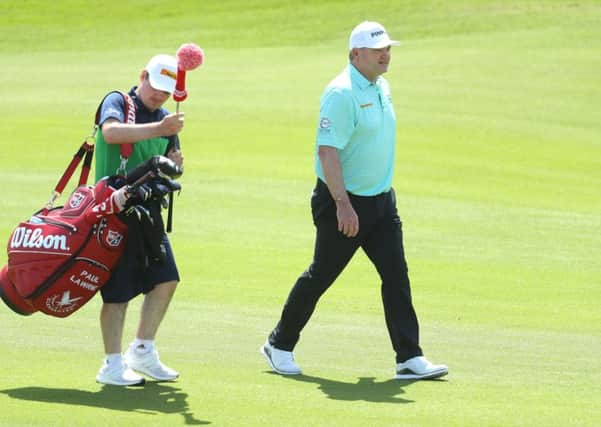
(189, 56)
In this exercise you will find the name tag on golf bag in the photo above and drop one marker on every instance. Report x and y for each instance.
(59, 259)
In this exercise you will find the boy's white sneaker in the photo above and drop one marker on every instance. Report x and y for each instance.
(148, 363)
(118, 373)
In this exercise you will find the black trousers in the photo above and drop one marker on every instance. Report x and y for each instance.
(381, 238)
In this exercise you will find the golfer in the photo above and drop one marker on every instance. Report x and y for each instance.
(354, 206)
(145, 268)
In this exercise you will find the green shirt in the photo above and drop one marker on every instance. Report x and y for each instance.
(108, 157)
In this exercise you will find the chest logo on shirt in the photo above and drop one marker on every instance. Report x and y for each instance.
(366, 105)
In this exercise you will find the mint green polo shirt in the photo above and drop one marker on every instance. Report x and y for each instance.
(356, 116)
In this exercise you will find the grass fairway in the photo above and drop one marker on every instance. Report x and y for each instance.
(498, 177)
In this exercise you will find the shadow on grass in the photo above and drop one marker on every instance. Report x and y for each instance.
(366, 389)
(152, 398)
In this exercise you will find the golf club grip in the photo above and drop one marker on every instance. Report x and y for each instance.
(170, 214)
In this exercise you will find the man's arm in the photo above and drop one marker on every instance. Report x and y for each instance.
(348, 221)
(116, 132)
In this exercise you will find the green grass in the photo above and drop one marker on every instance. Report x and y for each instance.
(497, 175)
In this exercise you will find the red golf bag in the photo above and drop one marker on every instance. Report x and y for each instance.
(60, 257)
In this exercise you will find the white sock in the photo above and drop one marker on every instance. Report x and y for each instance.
(143, 346)
(112, 358)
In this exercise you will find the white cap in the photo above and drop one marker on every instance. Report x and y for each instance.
(162, 72)
(372, 35)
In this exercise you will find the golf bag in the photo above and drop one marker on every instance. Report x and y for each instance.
(60, 257)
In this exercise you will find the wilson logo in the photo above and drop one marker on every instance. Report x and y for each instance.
(29, 239)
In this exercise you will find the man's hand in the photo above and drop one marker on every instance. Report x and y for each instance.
(348, 221)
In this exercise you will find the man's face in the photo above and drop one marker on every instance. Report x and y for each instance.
(152, 98)
(372, 62)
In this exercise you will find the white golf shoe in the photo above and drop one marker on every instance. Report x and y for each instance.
(118, 373)
(148, 363)
(419, 368)
(280, 361)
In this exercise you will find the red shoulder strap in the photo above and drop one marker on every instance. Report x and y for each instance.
(130, 118)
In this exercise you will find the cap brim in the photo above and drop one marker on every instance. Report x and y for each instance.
(165, 86)
(381, 44)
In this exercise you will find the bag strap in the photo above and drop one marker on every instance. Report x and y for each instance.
(85, 152)
(130, 118)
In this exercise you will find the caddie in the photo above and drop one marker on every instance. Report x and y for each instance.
(148, 266)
